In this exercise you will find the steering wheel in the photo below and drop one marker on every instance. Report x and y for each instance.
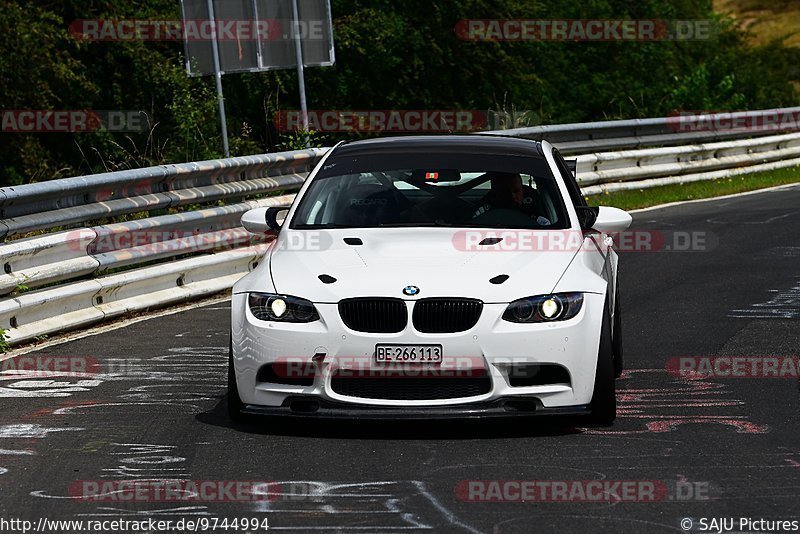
(500, 217)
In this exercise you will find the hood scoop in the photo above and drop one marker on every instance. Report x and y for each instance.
(489, 241)
(355, 241)
(326, 279)
(497, 280)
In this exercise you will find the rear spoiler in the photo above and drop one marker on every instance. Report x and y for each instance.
(572, 165)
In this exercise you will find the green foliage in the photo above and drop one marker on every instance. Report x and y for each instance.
(299, 140)
(21, 288)
(390, 55)
(4, 344)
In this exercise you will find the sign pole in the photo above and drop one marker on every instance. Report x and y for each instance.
(298, 48)
(218, 76)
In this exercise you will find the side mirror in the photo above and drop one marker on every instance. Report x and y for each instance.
(611, 220)
(587, 215)
(263, 220)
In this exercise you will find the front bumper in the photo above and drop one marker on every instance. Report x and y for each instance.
(496, 343)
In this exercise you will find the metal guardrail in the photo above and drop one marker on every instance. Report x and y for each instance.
(64, 307)
(679, 129)
(51, 258)
(68, 279)
(632, 165)
(71, 201)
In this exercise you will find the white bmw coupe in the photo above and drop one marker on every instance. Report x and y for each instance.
(431, 277)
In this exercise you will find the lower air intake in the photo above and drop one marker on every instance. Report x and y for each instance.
(411, 389)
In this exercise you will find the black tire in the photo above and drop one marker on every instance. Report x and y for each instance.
(616, 337)
(234, 401)
(604, 398)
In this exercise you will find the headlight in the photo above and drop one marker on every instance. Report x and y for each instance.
(282, 308)
(544, 308)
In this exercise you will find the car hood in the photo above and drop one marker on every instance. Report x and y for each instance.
(436, 260)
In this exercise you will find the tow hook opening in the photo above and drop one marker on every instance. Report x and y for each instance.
(304, 406)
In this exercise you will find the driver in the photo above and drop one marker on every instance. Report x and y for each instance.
(507, 192)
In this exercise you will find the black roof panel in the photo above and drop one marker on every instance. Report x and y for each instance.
(472, 144)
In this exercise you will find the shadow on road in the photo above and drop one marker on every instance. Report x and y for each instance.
(392, 430)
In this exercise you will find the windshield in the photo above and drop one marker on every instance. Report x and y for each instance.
(458, 190)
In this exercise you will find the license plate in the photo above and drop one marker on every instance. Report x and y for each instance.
(408, 353)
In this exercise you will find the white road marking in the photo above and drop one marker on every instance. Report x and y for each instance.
(30, 431)
(784, 305)
(14, 452)
(385, 502)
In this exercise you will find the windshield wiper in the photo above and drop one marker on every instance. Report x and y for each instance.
(321, 226)
(415, 224)
(328, 226)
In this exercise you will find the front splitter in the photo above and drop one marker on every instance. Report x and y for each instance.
(309, 407)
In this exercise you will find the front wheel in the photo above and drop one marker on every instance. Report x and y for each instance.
(604, 398)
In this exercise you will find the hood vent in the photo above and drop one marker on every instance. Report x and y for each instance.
(497, 280)
(326, 279)
(355, 241)
(489, 241)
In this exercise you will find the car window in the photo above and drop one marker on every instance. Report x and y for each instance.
(433, 190)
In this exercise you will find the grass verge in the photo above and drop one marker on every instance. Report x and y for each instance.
(766, 20)
(642, 198)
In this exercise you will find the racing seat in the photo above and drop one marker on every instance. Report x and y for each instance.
(368, 205)
(533, 204)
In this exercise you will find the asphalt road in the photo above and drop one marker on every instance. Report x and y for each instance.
(713, 447)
